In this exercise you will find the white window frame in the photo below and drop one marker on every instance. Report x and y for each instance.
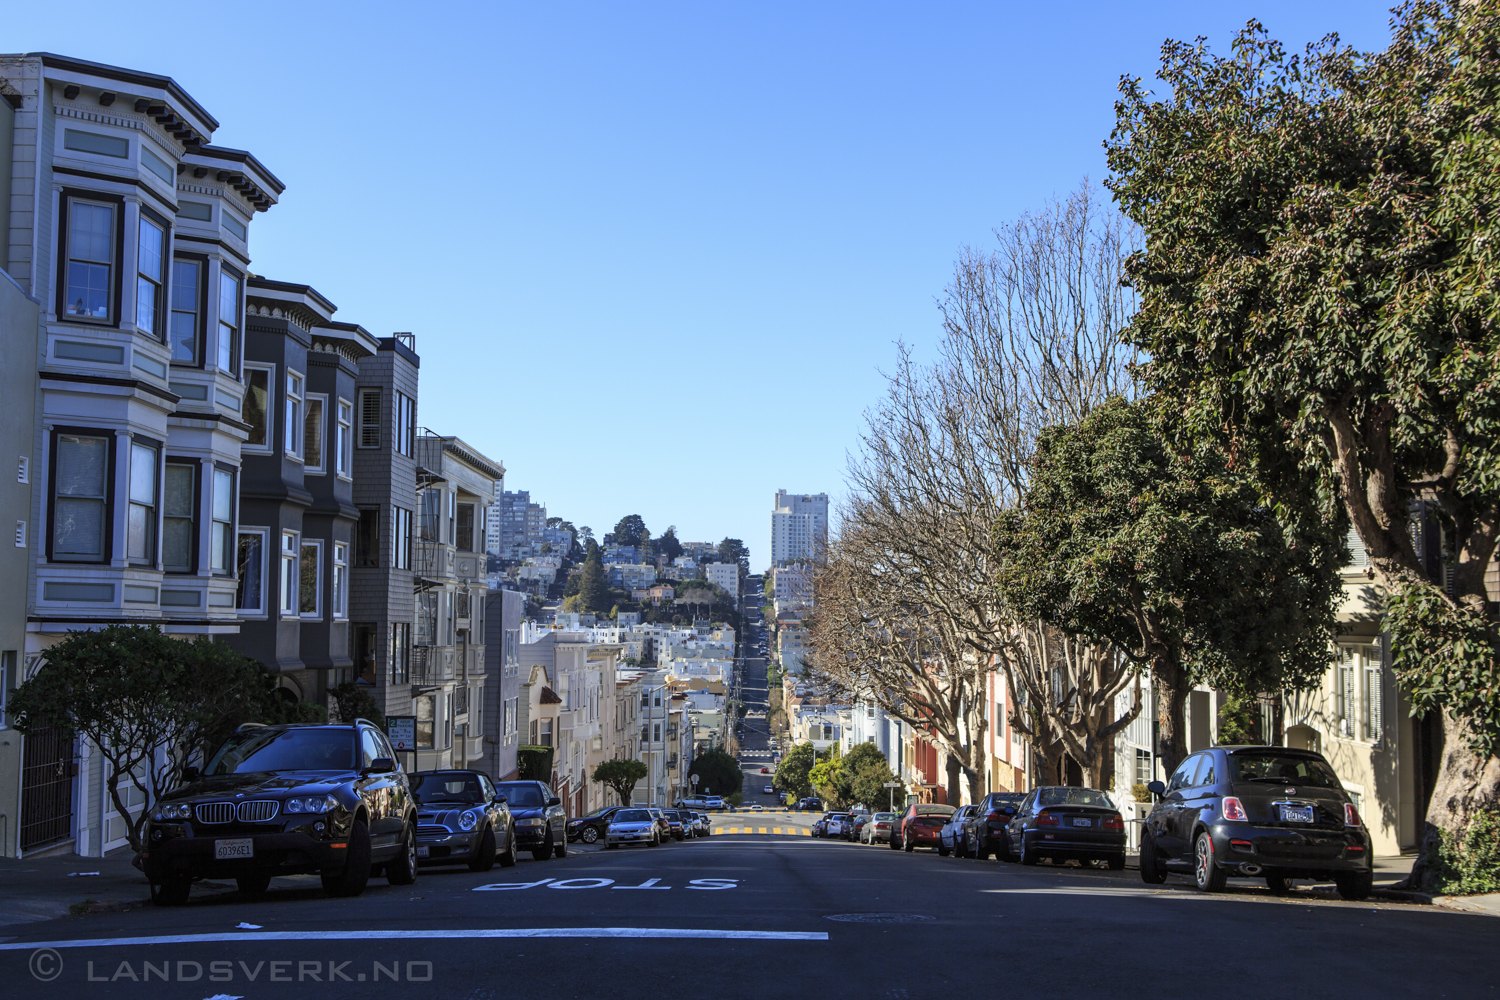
(289, 575)
(222, 554)
(401, 540)
(145, 282)
(344, 438)
(340, 581)
(259, 611)
(321, 398)
(153, 506)
(316, 544)
(294, 387)
(229, 328)
(116, 211)
(270, 446)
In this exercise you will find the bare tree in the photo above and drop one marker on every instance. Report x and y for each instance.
(1029, 341)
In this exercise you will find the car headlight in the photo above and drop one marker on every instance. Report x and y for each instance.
(310, 804)
(467, 820)
(531, 822)
(173, 811)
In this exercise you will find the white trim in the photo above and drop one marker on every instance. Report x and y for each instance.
(317, 613)
(271, 422)
(307, 399)
(289, 595)
(265, 552)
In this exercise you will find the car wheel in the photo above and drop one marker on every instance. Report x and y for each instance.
(253, 885)
(402, 869)
(171, 891)
(895, 843)
(909, 845)
(1207, 875)
(589, 835)
(611, 847)
(355, 875)
(654, 842)
(508, 859)
(560, 849)
(1152, 872)
(1116, 862)
(484, 858)
(943, 851)
(1279, 884)
(1028, 855)
(1354, 885)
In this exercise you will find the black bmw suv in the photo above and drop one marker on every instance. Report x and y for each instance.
(286, 800)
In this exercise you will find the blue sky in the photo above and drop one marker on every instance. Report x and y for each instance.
(655, 254)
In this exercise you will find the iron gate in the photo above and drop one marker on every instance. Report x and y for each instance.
(46, 788)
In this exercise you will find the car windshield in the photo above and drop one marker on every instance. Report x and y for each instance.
(632, 816)
(522, 795)
(1279, 768)
(446, 786)
(1011, 799)
(932, 810)
(673, 815)
(1073, 797)
(887, 817)
(262, 749)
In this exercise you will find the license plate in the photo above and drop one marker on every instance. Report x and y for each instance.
(1082, 821)
(233, 850)
(423, 852)
(1296, 814)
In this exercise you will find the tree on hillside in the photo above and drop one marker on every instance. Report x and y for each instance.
(732, 550)
(593, 589)
(864, 777)
(1317, 293)
(667, 545)
(1128, 545)
(621, 774)
(631, 530)
(718, 773)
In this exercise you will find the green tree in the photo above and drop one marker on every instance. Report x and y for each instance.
(621, 774)
(732, 550)
(352, 701)
(131, 691)
(593, 589)
(631, 530)
(792, 773)
(1317, 289)
(718, 773)
(1173, 560)
(668, 545)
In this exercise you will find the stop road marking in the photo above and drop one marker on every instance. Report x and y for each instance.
(601, 883)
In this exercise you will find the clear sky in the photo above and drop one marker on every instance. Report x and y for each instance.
(655, 254)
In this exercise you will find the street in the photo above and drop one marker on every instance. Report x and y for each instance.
(736, 915)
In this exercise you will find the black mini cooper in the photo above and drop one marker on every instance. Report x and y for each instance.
(286, 800)
(1275, 813)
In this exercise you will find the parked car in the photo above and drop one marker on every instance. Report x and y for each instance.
(591, 827)
(857, 826)
(540, 822)
(879, 828)
(810, 804)
(919, 826)
(702, 824)
(676, 826)
(1061, 822)
(663, 827)
(462, 818)
(834, 824)
(953, 838)
(632, 826)
(1256, 812)
(820, 826)
(988, 822)
(769, 790)
(693, 802)
(285, 800)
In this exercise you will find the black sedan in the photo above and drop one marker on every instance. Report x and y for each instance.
(540, 822)
(1061, 822)
(591, 828)
(462, 819)
(953, 838)
(1257, 812)
(987, 824)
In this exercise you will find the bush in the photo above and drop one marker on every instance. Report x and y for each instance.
(1471, 865)
(1140, 792)
(534, 763)
(353, 701)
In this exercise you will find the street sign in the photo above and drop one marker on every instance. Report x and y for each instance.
(401, 730)
(892, 784)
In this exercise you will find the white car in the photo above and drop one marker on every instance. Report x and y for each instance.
(632, 826)
(770, 790)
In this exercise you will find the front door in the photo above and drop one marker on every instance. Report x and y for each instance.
(46, 788)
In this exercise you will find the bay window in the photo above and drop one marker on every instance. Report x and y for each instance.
(312, 434)
(89, 285)
(343, 444)
(257, 408)
(340, 580)
(184, 326)
(310, 578)
(294, 426)
(150, 247)
(250, 564)
(140, 522)
(80, 498)
(290, 580)
(223, 523)
(178, 509)
(229, 320)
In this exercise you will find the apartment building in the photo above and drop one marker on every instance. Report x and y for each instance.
(799, 526)
(504, 611)
(725, 576)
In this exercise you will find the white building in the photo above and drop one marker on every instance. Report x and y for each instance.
(799, 526)
(726, 576)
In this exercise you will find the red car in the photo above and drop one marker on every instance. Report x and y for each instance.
(765, 770)
(920, 826)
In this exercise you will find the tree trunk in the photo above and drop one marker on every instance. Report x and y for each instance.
(975, 776)
(955, 773)
(1465, 785)
(1171, 713)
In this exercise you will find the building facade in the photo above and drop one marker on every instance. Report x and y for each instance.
(799, 526)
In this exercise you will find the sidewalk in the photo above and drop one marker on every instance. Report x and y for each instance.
(49, 887)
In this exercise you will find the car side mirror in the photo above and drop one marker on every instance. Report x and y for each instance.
(191, 774)
(499, 800)
(554, 801)
(381, 765)
(1156, 788)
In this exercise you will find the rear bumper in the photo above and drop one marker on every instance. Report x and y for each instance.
(1098, 842)
(1286, 851)
(277, 853)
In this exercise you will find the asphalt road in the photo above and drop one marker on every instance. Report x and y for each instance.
(735, 916)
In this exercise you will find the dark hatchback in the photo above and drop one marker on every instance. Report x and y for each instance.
(1276, 813)
(541, 824)
(286, 800)
(592, 828)
(1062, 822)
(462, 819)
(987, 825)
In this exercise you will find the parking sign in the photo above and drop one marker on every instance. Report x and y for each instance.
(401, 730)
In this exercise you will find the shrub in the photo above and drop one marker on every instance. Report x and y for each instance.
(1471, 864)
(1140, 792)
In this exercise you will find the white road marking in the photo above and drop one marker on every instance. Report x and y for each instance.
(1082, 891)
(431, 935)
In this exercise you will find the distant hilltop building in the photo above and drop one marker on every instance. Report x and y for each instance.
(799, 526)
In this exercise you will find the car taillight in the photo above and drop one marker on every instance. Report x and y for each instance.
(999, 816)
(1048, 819)
(1351, 815)
(1114, 821)
(1233, 809)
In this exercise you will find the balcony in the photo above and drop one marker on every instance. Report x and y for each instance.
(429, 667)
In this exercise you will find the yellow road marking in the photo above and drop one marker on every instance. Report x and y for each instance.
(762, 830)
